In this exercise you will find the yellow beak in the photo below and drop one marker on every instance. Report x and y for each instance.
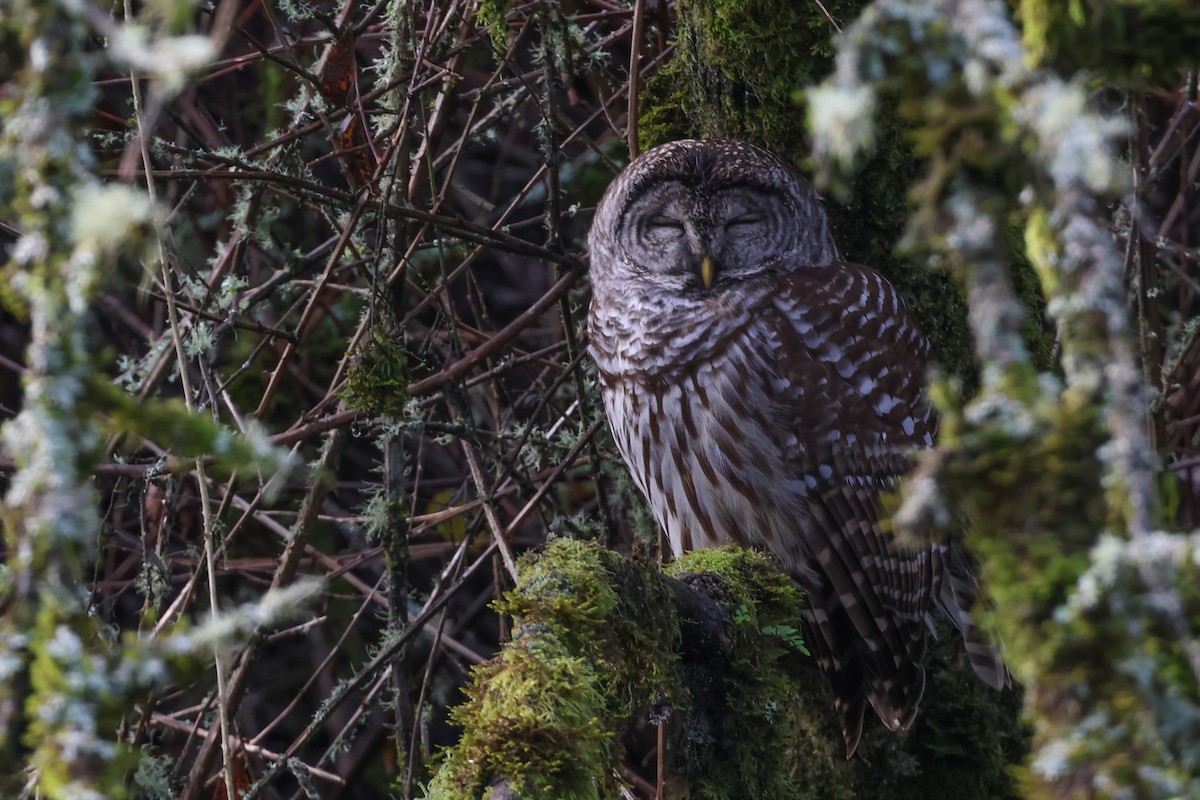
(708, 271)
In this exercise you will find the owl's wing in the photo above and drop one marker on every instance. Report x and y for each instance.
(850, 367)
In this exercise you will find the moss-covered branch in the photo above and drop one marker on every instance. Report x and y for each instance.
(603, 643)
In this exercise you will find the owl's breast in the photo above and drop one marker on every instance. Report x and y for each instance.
(705, 448)
(652, 338)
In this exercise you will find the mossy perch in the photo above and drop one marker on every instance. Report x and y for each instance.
(602, 641)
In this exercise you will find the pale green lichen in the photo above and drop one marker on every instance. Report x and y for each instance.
(68, 681)
(152, 778)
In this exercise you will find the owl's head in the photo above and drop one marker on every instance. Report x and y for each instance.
(703, 215)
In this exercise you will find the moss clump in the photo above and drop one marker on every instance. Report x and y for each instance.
(378, 376)
(595, 643)
(536, 720)
(493, 16)
(607, 609)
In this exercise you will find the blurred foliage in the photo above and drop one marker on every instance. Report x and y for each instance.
(1052, 469)
(67, 684)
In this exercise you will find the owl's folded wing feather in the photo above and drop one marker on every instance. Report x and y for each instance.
(849, 372)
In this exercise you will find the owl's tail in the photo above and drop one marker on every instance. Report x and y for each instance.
(891, 684)
(870, 608)
(955, 591)
(866, 618)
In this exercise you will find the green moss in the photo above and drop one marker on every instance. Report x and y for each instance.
(535, 718)
(607, 608)
(595, 643)
(738, 738)
(738, 66)
(754, 585)
(1037, 331)
(599, 642)
(493, 14)
(378, 376)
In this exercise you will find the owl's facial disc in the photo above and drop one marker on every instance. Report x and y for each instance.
(706, 216)
(687, 234)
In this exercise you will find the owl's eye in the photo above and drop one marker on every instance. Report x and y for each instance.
(744, 224)
(661, 223)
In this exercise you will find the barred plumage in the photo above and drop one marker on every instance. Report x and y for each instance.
(762, 391)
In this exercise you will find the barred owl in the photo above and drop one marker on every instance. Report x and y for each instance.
(763, 392)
